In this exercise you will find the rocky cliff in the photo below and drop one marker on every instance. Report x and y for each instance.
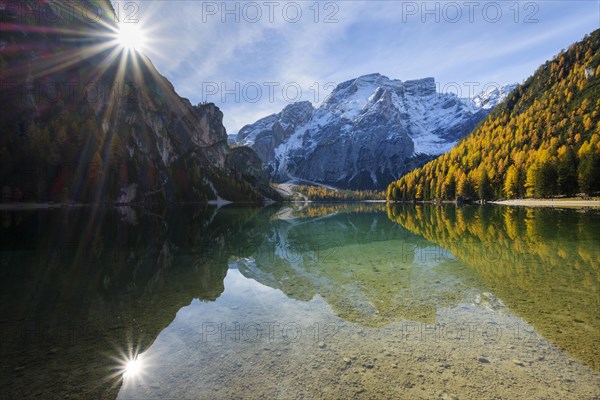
(84, 119)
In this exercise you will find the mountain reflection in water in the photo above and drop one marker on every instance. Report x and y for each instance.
(81, 286)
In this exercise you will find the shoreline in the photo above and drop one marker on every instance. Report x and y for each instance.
(553, 203)
(577, 203)
(38, 206)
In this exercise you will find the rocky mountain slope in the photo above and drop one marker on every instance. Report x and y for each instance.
(86, 120)
(368, 132)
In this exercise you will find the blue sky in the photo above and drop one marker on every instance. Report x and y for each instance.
(201, 48)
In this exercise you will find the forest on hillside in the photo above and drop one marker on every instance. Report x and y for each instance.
(542, 141)
(322, 193)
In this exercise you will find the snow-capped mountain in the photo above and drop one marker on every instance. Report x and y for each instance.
(369, 131)
(488, 99)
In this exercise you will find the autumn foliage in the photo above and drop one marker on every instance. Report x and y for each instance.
(322, 193)
(542, 141)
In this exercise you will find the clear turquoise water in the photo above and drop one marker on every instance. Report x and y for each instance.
(319, 301)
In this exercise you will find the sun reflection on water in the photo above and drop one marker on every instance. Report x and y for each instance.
(133, 368)
(128, 366)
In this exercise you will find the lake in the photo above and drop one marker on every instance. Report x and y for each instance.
(300, 301)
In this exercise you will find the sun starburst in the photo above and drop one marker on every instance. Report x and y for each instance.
(131, 37)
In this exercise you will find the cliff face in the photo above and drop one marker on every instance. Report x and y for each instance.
(85, 120)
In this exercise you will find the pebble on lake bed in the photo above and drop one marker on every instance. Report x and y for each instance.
(447, 396)
(518, 362)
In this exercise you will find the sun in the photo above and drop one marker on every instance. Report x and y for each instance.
(131, 37)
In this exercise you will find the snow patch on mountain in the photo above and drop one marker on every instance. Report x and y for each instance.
(491, 97)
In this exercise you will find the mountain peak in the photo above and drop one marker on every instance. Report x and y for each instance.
(300, 105)
(374, 77)
(369, 131)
